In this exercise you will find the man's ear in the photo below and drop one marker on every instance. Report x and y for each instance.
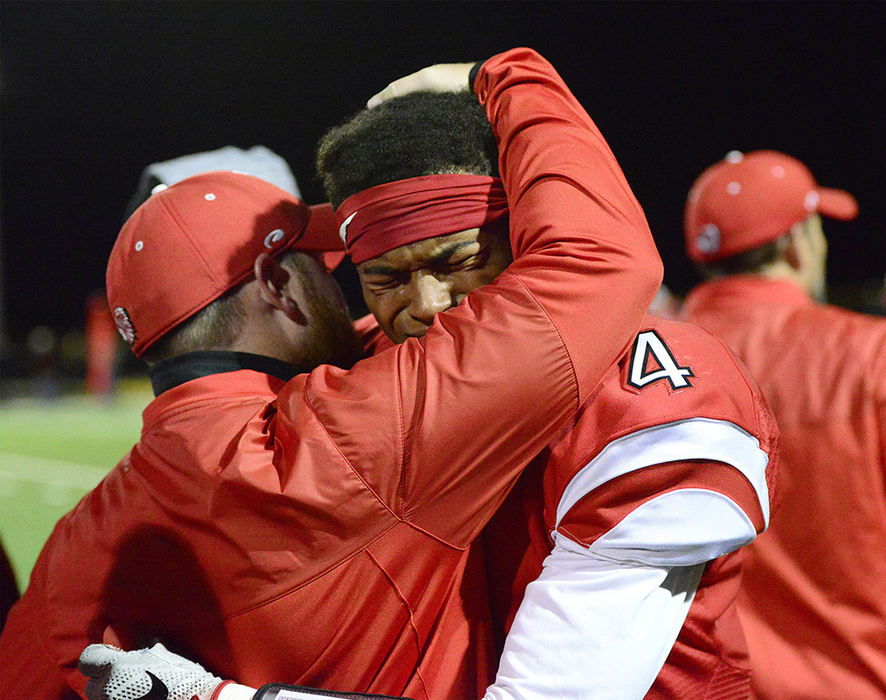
(274, 287)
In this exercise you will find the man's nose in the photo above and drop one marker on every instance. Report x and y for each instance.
(430, 296)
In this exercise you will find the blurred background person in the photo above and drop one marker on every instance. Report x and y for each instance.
(101, 340)
(813, 603)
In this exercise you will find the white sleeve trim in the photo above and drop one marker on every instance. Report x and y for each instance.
(694, 438)
(678, 528)
(592, 628)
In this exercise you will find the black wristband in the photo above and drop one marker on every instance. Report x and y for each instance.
(271, 691)
(472, 76)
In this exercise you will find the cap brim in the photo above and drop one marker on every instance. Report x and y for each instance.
(321, 235)
(836, 204)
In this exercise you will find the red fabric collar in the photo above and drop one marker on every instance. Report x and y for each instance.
(741, 290)
(384, 217)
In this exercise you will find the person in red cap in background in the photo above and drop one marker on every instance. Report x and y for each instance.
(813, 601)
(316, 527)
(626, 532)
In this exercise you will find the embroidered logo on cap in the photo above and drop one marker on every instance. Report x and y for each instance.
(810, 201)
(274, 237)
(124, 324)
(708, 239)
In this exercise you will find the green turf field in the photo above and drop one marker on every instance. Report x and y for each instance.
(51, 453)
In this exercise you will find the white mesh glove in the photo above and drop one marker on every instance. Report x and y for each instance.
(149, 674)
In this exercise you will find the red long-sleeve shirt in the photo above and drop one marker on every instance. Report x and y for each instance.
(813, 600)
(318, 531)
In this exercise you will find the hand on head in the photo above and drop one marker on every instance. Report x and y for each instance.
(441, 77)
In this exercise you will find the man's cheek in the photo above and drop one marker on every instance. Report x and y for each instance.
(386, 316)
(395, 328)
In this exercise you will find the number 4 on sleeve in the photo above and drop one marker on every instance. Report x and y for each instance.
(652, 361)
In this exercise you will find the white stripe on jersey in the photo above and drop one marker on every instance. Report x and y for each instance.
(694, 438)
(679, 528)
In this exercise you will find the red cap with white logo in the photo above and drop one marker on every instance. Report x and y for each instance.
(749, 199)
(190, 243)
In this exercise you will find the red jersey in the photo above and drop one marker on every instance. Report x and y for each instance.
(813, 601)
(630, 524)
(316, 531)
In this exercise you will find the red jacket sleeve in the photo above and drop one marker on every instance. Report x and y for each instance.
(439, 428)
(568, 197)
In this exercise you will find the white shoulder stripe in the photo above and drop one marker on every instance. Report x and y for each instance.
(679, 528)
(694, 438)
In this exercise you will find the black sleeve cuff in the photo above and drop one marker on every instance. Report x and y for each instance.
(271, 691)
(472, 76)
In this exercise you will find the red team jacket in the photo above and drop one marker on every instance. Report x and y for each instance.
(813, 601)
(316, 531)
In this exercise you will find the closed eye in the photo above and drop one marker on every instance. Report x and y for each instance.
(384, 282)
(465, 263)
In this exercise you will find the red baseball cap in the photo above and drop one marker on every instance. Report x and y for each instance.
(190, 243)
(749, 199)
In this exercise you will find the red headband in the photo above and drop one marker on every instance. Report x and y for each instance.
(384, 217)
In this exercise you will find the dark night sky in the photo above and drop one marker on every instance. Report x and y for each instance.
(94, 91)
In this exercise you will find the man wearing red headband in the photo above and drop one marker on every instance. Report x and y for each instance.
(628, 523)
(317, 528)
(813, 601)
(626, 527)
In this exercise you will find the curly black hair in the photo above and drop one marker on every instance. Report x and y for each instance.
(423, 133)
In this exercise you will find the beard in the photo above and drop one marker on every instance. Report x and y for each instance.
(332, 339)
